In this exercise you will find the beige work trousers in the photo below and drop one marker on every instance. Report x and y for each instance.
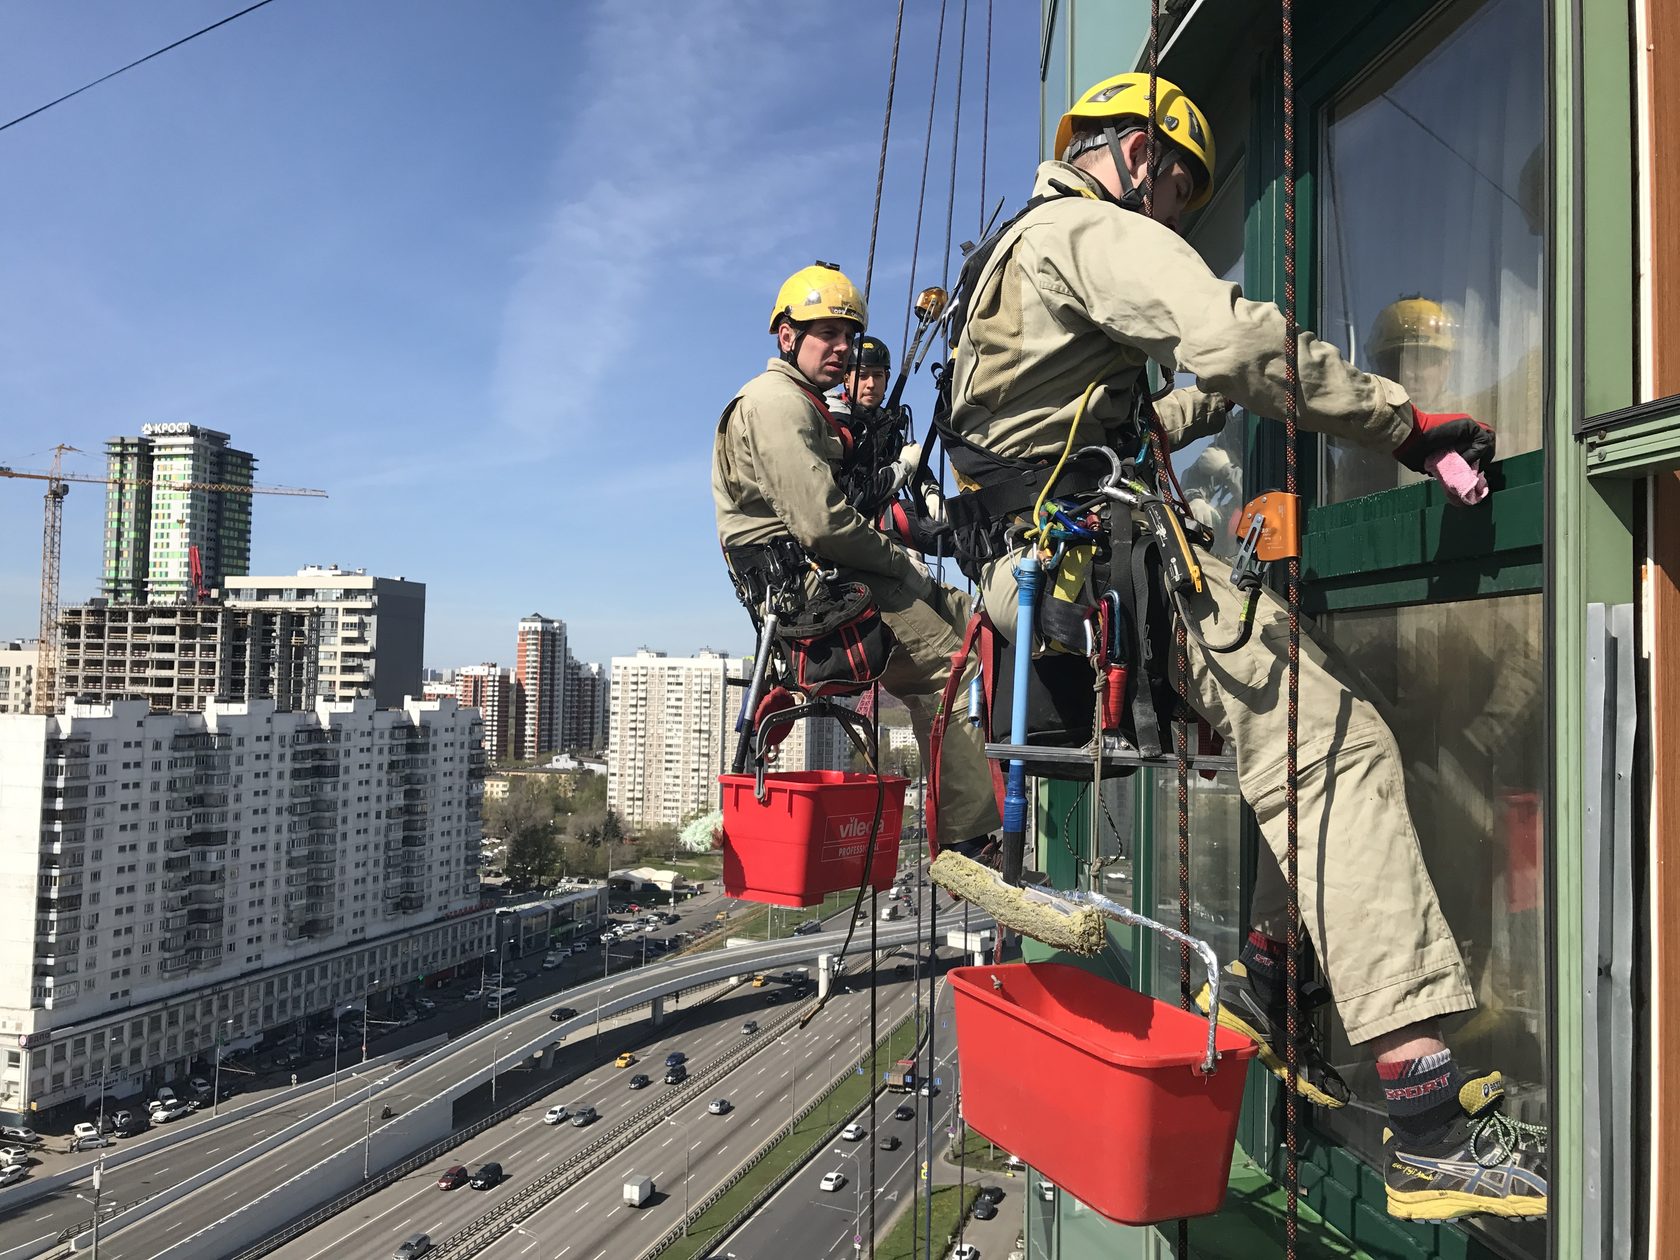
(928, 632)
(1367, 901)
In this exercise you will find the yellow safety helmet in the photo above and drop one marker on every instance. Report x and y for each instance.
(1180, 123)
(820, 291)
(1412, 323)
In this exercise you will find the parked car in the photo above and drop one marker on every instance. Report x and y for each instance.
(984, 1210)
(832, 1181)
(85, 1130)
(474, 993)
(554, 1115)
(1047, 1191)
(174, 1111)
(583, 1115)
(91, 1142)
(426, 1004)
(12, 1173)
(640, 1081)
(624, 1060)
(992, 1194)
(17, 1155)
(453, 1177)
(966, 1251)
(412, 1246)
(720, 1106)
(580, 947)
(199, 1086)
(516, 977)
(853, 1132)
(487, 1177)
(17, 1133)
(551, 961)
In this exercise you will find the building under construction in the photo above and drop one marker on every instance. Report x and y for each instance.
(180, 657)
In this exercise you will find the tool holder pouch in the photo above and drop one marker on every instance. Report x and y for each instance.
(836, 644)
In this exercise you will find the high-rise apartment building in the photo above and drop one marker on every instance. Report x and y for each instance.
(492, 690)
(150, 528)
(18, 658)
(540, 667)
(166, 877)
(372, 629)
(669, 735)
(585, 717)
(181, 657)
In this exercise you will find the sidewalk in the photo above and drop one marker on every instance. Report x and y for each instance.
(995, 1238)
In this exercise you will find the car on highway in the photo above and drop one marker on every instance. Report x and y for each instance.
(720, 1106)
(580, 947)
(624, 1060)
(675, 1057)
(808, 928)
(853, 1132)
(426, 1004)
(554, 1115)
(640, 1081)
(928, 1090)
(904, 1111)
(832, 1181)
(984, 1210)
(472, 994)
(487, 1177)
(516, 977)
(412, 1246)
(676, 1074)
(17, 1133)
(562, 1012)
(888, 1142)
(749, 1028)
(551, 961)
(12, 1173)
(583, 1115)
(453, 1177)
(772, 997)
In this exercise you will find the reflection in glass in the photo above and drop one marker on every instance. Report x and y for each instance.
(1430, 217)
(1461, 687)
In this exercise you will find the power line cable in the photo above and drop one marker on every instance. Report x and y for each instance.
(185, 39)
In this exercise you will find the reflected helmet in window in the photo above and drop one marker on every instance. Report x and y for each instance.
(1412, 323)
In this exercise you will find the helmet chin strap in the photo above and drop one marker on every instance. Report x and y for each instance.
(1131, 195)
(790, 356)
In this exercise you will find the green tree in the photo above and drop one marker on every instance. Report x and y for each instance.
(611, 830)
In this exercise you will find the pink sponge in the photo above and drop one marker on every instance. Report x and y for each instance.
(1465, 485)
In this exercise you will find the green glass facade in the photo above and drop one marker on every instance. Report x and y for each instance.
(1480, 155)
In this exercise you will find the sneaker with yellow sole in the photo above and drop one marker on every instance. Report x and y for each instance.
(1483, 1163)
(1247, 1008)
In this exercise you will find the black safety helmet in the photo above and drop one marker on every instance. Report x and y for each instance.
(872, 352)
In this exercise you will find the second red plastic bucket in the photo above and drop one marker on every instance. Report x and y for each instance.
(809, 836)
(1099, 1088)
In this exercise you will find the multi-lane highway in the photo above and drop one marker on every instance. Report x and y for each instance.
(589, 1221)
(804, 1220)
(187, 1218)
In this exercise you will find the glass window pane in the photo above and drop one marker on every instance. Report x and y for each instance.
(1216, 814)
(1430, 193)
(1461, 686)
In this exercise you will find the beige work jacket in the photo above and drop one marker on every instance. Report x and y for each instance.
(1082, 290)
(774, 465)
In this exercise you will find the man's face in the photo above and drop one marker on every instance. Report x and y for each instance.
(870, 387)
(823, 353)
(1174, 185)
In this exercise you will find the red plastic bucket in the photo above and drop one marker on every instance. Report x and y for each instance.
(809, 837)
(1099, 1088)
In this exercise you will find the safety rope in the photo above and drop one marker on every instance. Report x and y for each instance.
(874, 1041)
(1291, 415)
(921, 193)
(881, 162)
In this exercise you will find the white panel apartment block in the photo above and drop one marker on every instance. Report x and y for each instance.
(166, 876)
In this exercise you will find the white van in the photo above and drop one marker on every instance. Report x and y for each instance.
(889, 912)
(494, 995)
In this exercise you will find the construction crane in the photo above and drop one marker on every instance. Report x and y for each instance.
(52, 534)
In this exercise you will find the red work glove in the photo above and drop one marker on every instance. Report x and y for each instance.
(1431, 433)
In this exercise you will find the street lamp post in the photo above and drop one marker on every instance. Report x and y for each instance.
(216, 1088)
(111, 1040)
(496, 1040)
(337, 1015)
(686, 1146)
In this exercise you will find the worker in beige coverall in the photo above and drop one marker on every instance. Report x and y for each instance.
(774, 461)
(1088, 286)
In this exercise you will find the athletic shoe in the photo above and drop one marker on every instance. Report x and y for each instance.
(1484, 1162)
(1244, 1008)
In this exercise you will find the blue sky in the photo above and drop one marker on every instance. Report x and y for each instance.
(486, 273)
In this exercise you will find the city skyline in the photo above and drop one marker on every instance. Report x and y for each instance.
(362, 264)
